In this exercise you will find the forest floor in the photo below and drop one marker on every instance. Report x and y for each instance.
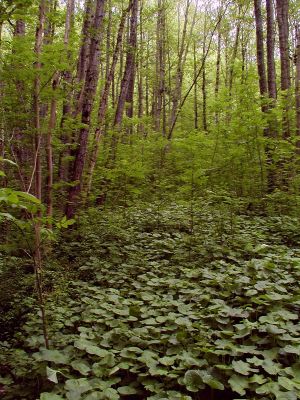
(165, 303)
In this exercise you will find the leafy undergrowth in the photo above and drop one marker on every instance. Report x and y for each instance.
(170, 304)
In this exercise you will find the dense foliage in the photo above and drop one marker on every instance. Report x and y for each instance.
(149, 199)
(166, 303)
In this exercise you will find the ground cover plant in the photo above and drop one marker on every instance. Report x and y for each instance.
(149, 199)
(160, 312)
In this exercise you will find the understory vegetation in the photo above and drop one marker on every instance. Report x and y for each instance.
(149, 199)
(162, 302)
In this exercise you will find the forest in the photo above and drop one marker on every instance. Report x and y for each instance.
(149, 199)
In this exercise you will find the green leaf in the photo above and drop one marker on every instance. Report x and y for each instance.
(270, 387)
(55, 356)
(94, 396)
(90, 348)
(286, 383)
(50, 396)
(52, 375)
(292, 349)
(238, 384)
(271, 367)
(193, 380)
(127, 390)
(259, 379)
(210, 380)
(81, 366)
(76, 387)
(110, 394)
(168, 361)
(5, 160)
(27, 196)
(241, 367)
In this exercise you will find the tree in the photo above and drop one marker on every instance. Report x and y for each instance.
(285, 72)
(90, 86)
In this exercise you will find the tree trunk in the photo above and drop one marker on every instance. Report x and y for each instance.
(159, 97)
(49, 152)
(260, 53)
(104, 98)
(270, 52)
(140, 71)
(297, 85)
(83, 58)
(37, 164)
(263, 87)
(234, 53)
(218, 68)
(182, 46)
(195, 89)
(204, 94)
(283, 28)
(89, 91)
(128, 77)
(67, 102)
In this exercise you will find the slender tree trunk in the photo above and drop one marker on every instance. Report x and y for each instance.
(108, 40)
(159, 98)
(235, 51)
(297, 85)
(172, 126)
(49, 152)
(196, 126)
(272, 91)
(218, 69)
(19, 147)
(147, 78)
(127, 81)
(104, 98)
(140, 70)
(83, 58)
(204, 94)
(180, 64)
(283, 28)
(263, 87)
(37, 164)
(260, 53)
(67, 84)
(270, 52)
(36, 100)
(89, 91)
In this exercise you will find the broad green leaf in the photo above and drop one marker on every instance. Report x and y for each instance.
(286, 383)
(56, 356)
(167, 360)
(110, 394)
(238, 384)
(76, 387)
(28, 197)
(50, 396)
(127, 390)
(94, 396)
(7, 161)
(259, 379)
(270, 387)
(210, 380)
(292, 349)
(90, 348)
(241, 367)
(52, 375)
(81, 366)
(193, 380)
(271, 367)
